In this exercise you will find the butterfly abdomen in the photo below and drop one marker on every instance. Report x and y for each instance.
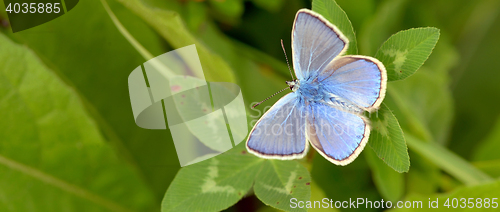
(342, 104)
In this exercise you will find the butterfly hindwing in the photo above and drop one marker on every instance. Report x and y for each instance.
(337, 135)
(280, 132)
(359, 79)
(315, 42)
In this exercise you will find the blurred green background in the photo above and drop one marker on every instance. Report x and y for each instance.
(68, 141)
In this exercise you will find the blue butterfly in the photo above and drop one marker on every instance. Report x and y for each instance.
(328, 98)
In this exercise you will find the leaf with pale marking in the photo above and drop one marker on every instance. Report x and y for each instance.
(427, 111)
(225, 178)
(229, 176)
(404, 52)
(387, 140)
(52, 155)
(280, 181)
(333, 13)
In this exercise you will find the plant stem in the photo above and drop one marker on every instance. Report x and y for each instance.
(448, 161)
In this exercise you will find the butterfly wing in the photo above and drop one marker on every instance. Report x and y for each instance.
(280, 132)
(337, 135)
(315, 42)
(359, 79)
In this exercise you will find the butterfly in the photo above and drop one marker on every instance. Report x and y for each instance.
(329, 96)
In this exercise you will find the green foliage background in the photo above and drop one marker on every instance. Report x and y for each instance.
(68, 141)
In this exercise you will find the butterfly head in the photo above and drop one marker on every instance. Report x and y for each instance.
(294, 85)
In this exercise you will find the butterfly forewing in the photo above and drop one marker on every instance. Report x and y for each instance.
(315, 42)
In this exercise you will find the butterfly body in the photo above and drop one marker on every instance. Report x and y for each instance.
(328, 98)
(315, 93)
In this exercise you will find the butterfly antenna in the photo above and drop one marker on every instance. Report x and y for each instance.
(255, 105)
(283, 47)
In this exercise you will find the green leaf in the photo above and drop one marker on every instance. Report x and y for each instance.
(83, 48)
(448, 161)
(425, 112)
(225, 178)
(229, 176)
(483, 191)
(50, 148)
(170, 25)
(195, 103)
(387, 140)
(343, 182)
(389, 182)
(423, 103)
(404, 52)
(333, 13)
(280, 181)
